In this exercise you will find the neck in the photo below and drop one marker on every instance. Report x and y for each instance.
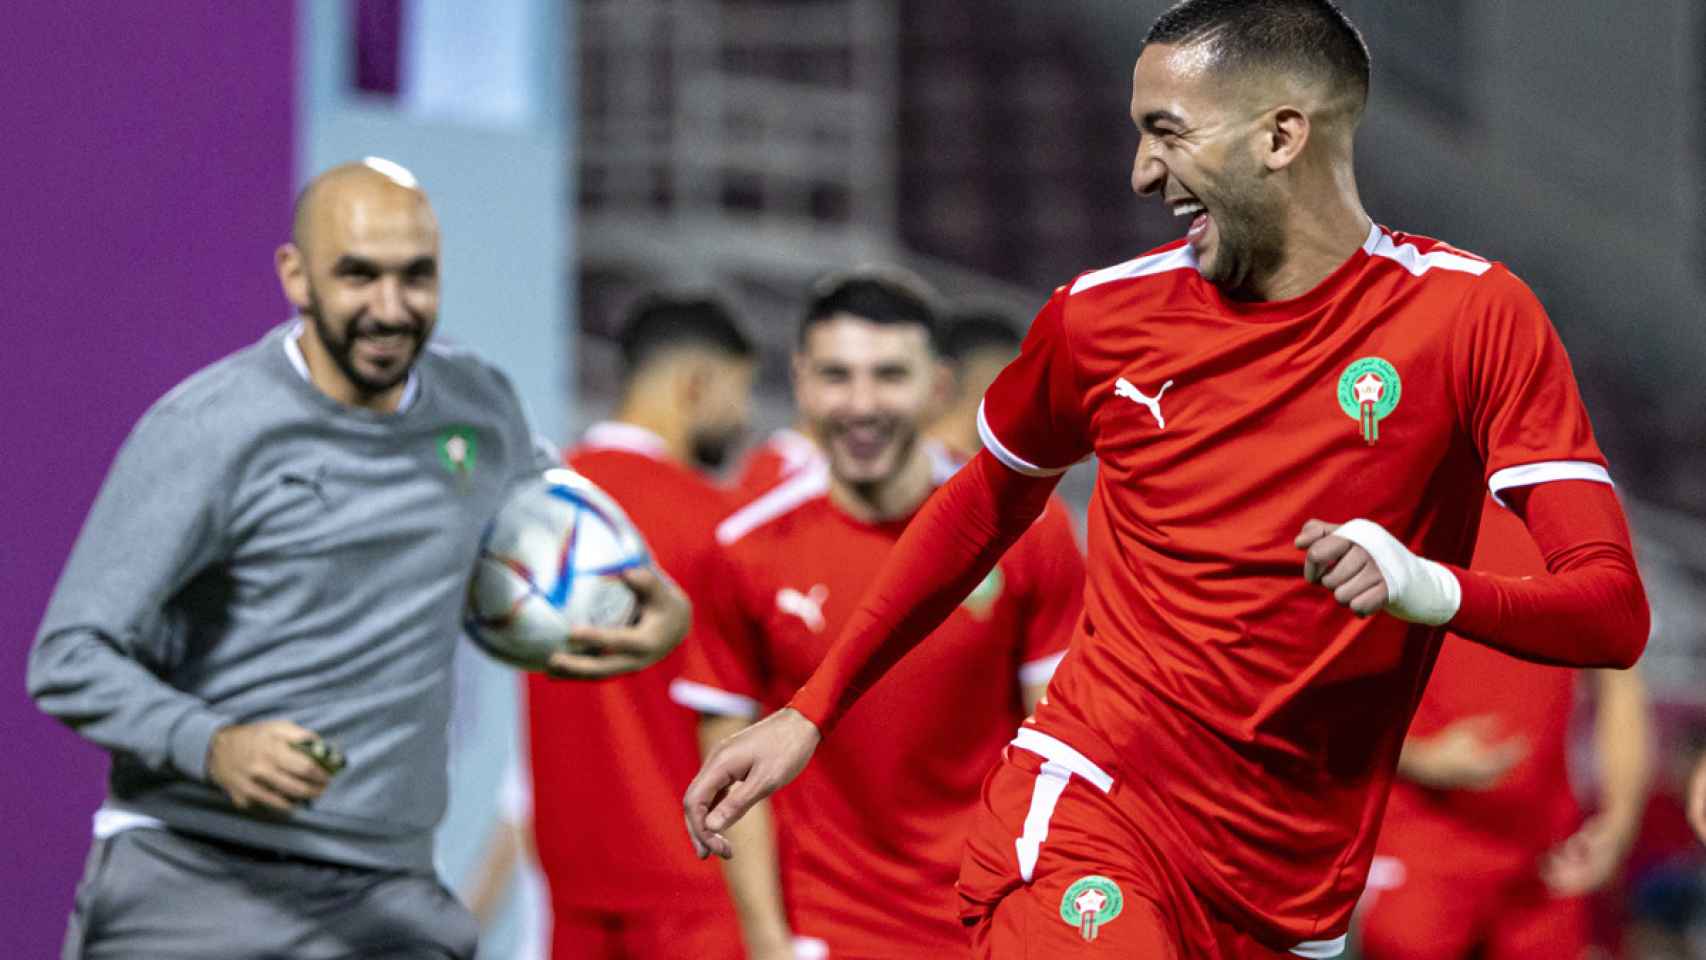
(636, 410)
(894, 498)
(1321, 234)
(327, 377)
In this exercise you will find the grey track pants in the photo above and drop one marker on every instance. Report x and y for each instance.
(150, 893)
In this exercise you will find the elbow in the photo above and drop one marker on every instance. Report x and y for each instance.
(1626, 640)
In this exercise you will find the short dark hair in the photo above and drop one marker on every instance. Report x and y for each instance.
(971, 329)
(1301, 35)
(661, 323)
(876, 294)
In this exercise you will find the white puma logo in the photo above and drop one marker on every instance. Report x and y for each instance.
(1124, 388)
(807, 606)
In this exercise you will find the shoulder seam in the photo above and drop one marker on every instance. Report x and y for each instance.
(1166, 261)
(782, 500)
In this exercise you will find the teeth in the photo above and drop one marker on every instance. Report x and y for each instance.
(1188, 209)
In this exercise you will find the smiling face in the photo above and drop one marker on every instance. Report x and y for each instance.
(865, 390)
(363, 271)
(1201, 150)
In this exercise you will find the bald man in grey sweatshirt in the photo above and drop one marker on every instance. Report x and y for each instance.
(277, 561)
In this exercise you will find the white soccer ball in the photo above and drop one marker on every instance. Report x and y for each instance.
(549, 561)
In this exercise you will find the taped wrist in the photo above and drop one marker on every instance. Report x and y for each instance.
(1418, 590)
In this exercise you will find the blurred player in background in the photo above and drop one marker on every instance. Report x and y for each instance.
(1697, 799)
(976, 344)
(1484, 852)
(1207, 773)
(270, 584)
(859, 860)
(784, 454)
(608, 760)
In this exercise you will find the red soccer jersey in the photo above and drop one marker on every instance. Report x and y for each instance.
(870, 834)
(610, 759)
(783, 454)
(1248, 719)
(1532, 808)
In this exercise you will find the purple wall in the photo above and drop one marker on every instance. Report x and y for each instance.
(146, 178)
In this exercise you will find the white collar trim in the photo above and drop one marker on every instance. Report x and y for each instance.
(293, 351)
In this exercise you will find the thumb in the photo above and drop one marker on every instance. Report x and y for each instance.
(734, 805)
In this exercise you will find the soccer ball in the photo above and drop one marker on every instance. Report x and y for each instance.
(550, 561)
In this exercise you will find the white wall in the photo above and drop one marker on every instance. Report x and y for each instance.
(481, 123)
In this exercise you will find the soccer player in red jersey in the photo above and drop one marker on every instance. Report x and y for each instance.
(608, 758)
(862, 855)
(784, 454)
(1484, 851)
(1291, 389)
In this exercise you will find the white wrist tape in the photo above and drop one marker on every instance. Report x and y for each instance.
(1417, 589)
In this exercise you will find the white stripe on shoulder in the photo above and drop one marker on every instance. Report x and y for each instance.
(1379, 244)
(782, 499)
(1546, 471)
(1179, 258)
(707, 699)
(1013, 461)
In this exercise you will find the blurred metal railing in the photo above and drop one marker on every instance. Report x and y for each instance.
(737, 129)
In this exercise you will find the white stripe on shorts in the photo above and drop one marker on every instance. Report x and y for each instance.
(1051, 781)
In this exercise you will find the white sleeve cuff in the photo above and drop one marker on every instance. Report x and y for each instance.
(710, 700)
(1040, 670)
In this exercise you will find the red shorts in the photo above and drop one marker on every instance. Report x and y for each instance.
(1055, 868)
(1417, 909)
(637, 935)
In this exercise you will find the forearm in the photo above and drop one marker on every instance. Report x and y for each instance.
(1623, 743)
(1589, 610)
(82, 679)
(754, 877)
(946, 550)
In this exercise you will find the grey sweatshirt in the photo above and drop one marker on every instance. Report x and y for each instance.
(259, 551)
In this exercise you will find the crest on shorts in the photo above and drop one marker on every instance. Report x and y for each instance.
(1090, 902)
(1368, 393)
(981, 600)
(458, 448)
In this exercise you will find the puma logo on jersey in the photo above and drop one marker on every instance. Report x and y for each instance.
(1124, 388)
(808, 606)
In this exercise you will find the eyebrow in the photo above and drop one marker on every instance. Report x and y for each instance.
(349, 263)
(1155, 118)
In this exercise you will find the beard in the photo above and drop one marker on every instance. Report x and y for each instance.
(712, 448)
(342, 349)
(904, 436)
(1251, 242)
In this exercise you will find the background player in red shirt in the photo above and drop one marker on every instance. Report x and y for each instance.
(1207, 773)
(785, 453)
(608, 758)
(977, 344)
(868, 843)
(1484, 851)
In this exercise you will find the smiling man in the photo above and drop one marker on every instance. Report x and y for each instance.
(1296, 414)
(259, 616)
(861, 857)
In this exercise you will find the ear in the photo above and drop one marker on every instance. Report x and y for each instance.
(693, 385)
(292, 269)
(946, 389)
(1285, 136)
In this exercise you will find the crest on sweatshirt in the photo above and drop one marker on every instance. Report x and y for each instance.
(458, 450)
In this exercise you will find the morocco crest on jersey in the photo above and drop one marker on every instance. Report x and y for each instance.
(1368, 393)
(1090, 902)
